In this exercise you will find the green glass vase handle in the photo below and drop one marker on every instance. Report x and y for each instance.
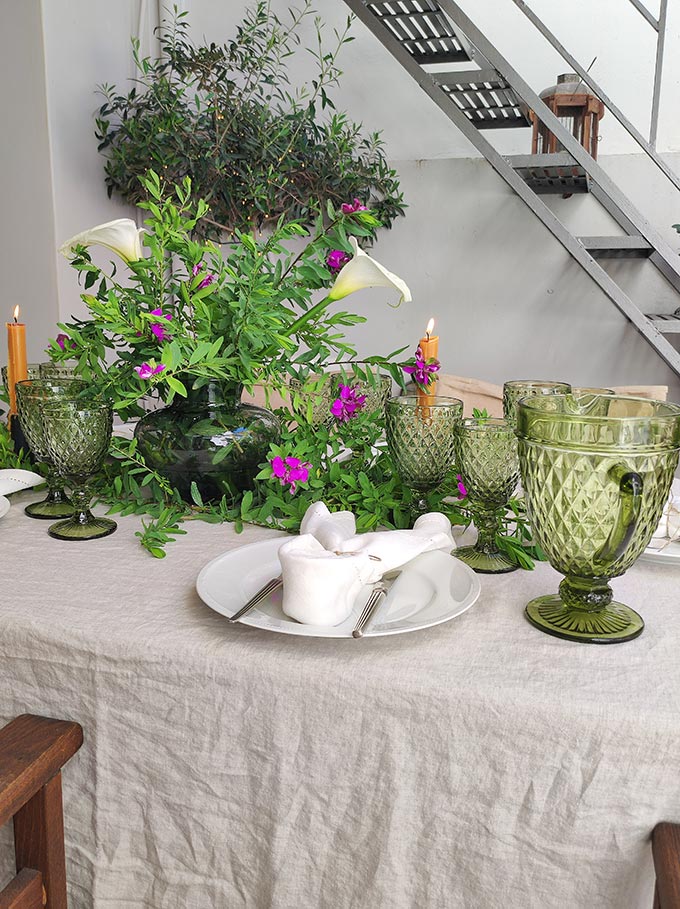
(630, 501)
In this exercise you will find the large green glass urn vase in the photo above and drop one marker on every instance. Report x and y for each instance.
(209, 438)
(596, 471)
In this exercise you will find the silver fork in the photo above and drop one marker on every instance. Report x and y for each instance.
(254, 601)
(369, 610)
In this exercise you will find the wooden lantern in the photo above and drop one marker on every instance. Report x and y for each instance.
(579, 111)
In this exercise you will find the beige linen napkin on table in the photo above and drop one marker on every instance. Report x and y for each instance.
(326, 566)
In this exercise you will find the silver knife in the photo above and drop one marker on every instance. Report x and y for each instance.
(261, 594)
(368, 612)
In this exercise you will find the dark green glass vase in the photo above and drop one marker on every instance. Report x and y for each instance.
(209, 438)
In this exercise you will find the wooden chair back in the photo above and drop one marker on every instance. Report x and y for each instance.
(33, 749)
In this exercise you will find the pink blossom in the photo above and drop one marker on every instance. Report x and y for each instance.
(336, 259)
(209, 278)
(422, 370)
(61, 340)
(290, 471)
(146, 370)
(462, 491)
(159, 330)
(348, 404)
(348, 208)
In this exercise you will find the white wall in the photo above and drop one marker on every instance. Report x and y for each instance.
(508, 298)
(27, 260)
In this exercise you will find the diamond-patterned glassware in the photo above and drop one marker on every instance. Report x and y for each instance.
(31, 394)
(596, 472)
(515, 390)
(78, 437)
(421, 441)
(64, 369)
(486, 456)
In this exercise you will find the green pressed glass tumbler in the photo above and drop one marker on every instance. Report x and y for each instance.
(31, 395)
(486, 456)
(596, 472)
(515, 390)
(78, 437)
(421, 441)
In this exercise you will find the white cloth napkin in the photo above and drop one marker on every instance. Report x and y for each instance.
(14, 480)
(326, 566)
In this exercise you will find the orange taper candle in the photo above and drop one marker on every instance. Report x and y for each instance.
(429, 346)
(17, 369)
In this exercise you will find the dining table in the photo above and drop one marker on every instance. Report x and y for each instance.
(476, 764)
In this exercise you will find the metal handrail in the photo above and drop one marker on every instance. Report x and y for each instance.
(645, 13)
(634, 133)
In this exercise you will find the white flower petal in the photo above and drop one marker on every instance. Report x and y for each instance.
(362, 271)
(121, 237)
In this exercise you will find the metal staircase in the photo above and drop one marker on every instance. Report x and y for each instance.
(420, 33)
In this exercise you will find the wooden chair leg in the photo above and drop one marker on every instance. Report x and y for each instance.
(25, 891)
(666, 853)
(39, 840)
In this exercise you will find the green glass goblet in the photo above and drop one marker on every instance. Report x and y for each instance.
(421, 441)
(78, 437)
(64, 369)
(596, 472)
(31, 395)
(486, 456)
(515, 390)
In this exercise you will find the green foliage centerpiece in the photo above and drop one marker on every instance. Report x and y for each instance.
(255, 146)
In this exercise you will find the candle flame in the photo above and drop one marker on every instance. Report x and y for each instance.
(430, 328)
(16, 313)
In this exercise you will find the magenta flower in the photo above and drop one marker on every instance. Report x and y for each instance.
(146, 370)
(348, 208)
(209, 278)
(423, 371)
(159, 330)
(290, 471)
(61, 340)
(462, 491)
(336, 259)
(348, 404)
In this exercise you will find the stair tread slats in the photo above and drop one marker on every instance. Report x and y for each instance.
(422, 29)
(484, 97)
(619, 247)
(546, 174)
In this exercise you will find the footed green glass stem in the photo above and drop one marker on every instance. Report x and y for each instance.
(485, 557)
(82, 525)
(55, 505)
(584, 610)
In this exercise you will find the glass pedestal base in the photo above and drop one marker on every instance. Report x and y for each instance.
(612, 624)
(74, 529)
(50, 508)
(485, 562)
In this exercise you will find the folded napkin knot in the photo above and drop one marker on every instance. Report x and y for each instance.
(326, 566)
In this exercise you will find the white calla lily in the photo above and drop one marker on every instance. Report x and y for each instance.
(122, 237)
(362, 271)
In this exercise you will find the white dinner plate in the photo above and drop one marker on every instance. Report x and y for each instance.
(440, 587)
(4, 506)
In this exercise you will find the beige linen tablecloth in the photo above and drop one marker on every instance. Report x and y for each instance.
(479, 764)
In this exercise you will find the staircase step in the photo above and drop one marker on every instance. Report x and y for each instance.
(485, 98)
(422, 29)
(668, 323)
(557, 174)
(622, 247)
